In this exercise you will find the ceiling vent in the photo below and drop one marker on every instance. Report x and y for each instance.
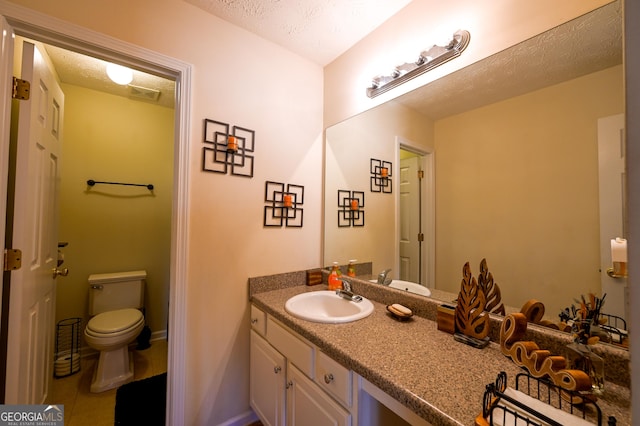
(143, 93)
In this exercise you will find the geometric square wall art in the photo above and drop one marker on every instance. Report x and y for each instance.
(283, 204)
(381, 172)
(227, 150)
(350, 208)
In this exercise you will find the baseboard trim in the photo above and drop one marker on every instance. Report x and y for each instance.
(159, 335)
(241, 420)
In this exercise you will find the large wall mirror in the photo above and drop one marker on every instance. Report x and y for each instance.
(511, 150)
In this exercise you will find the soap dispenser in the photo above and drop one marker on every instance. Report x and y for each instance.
(351, 269)
(334, 277)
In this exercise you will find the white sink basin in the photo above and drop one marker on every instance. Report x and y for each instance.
(327, 307)
(409, 286)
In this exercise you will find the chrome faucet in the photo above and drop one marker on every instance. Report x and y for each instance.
(384, 278)
(346, 293)
(346, 285)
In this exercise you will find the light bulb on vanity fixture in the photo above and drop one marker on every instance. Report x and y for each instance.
(119, 74)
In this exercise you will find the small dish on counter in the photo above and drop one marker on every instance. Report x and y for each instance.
(399, 312)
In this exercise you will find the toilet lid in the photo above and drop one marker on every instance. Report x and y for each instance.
(114, 321)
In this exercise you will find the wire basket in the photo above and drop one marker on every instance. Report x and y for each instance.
(67, 359)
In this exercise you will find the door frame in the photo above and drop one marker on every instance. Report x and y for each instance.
(50, 30)
(428, 207)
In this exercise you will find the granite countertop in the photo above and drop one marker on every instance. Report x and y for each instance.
(425, 369)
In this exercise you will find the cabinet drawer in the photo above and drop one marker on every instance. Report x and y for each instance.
(294, 349)
(258, 320)
(334, 378)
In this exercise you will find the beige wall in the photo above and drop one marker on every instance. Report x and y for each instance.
(494, 26)
(115, 228)
(517, 184)
(243, 80)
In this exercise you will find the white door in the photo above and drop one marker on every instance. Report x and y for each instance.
(410, 215)
(35, 219)
(611, 160)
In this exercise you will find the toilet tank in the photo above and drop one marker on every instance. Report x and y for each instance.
(117, 290)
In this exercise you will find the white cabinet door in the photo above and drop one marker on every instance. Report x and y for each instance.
(308, 405)
(267, 382)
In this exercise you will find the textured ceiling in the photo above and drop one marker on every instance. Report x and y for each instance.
(319, 30)
(85, 71)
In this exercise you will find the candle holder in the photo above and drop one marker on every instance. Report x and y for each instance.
(350, 208)
(284, 204)
(381, 172)
(227, 149)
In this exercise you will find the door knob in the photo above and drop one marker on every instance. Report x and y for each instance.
(60, 272)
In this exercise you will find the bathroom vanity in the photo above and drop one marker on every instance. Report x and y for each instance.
(373, 371)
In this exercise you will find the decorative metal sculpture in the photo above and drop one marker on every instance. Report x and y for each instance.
(284, 205)
(227, 149)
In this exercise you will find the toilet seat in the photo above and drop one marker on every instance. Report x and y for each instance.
(114, 323)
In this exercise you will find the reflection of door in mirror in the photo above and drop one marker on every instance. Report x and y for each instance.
(414, 234)
(410, 240)
(611, 177)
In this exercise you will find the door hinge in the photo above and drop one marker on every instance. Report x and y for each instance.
(12, 259)
(420, 174)
(21, 89)
(421, 237)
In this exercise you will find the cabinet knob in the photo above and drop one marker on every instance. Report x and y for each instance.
(254, 320)
(277, 369)
(328, 378)
(289, 384)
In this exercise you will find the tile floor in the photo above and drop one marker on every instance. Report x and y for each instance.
(82, 408)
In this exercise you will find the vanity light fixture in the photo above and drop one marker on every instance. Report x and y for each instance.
(350, 208)
(119, 74)
(428, 60)
(381, 172)
(283, 206)
(227, 148)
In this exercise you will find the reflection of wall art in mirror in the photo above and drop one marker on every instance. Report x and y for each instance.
(350, 212)
(381, 172)
(224, 149)
(284, 206)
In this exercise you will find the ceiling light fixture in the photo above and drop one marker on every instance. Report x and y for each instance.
(119, 74)
(428, 60)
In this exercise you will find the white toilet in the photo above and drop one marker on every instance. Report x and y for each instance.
(115, 301)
